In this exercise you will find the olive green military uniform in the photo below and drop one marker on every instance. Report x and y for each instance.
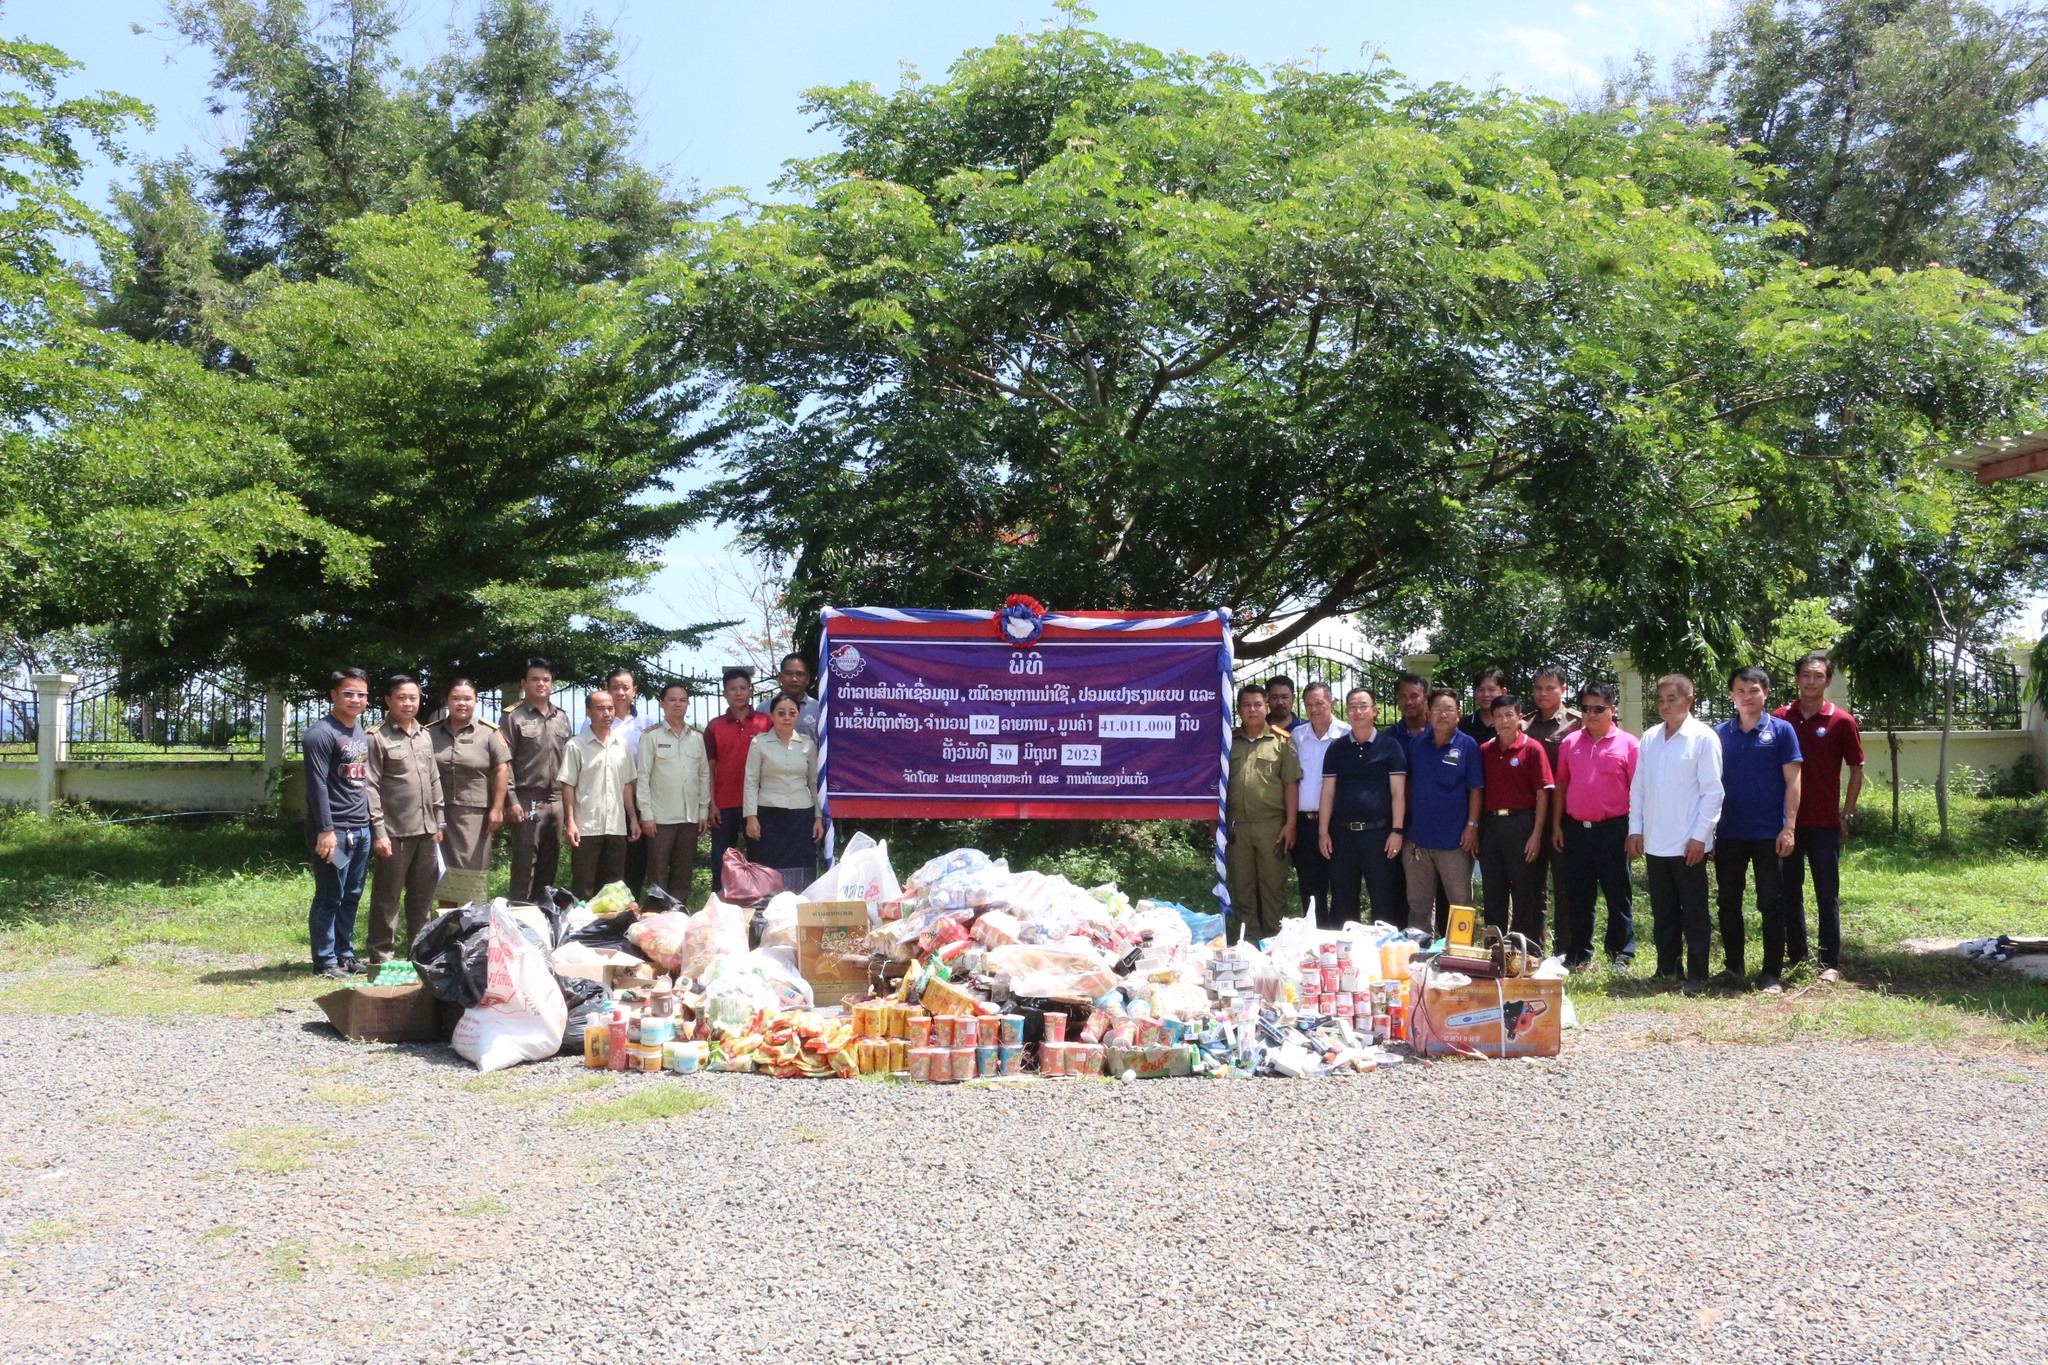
(1262, 772)
(405, 807)
(536, 742)
(468, 758)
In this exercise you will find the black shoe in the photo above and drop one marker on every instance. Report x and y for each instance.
(1623, 963)
(333, 971)
(354, 967)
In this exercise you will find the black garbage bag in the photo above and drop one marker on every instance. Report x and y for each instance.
(452, 955)
(610, 933)
(556, 903)
(587, 1000)
(658, 899)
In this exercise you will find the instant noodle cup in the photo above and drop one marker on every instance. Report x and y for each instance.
(1011, 1060)
(1122, 1032)
(985, 1060)
(985, 1030)
(919, 1061)
(1052, 1059)
(1148, 1032)
(963, 1063)
(1091, 1059)
(1010, 1030)
(1055, 1027)
(917, 1031)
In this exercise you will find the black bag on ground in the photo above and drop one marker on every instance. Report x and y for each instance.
(587, 1000)
(658, 899)
(452, 955)
(610, 933)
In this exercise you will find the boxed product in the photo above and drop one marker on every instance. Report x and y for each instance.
(1511, 1017)
(831, 950)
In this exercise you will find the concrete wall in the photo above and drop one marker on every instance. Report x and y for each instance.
(1920, 752)
(240, 784)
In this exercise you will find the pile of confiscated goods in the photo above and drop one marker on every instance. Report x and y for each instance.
(967, 971)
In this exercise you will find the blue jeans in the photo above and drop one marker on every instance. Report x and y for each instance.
(337, 891)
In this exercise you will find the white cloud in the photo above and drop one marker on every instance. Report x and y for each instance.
(1587, 12)
(1546, 52)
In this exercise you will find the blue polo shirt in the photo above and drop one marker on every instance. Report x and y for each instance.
(1753, 777)
(1438, 778)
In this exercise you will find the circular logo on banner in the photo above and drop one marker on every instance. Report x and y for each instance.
(1021, 621)
(846, 662)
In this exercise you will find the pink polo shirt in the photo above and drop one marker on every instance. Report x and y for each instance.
(1598, 773)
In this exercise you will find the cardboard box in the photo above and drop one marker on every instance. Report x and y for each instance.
(608, 967)
(389, 1014)
(831, 951)
(465, 886)
(1469, 1018)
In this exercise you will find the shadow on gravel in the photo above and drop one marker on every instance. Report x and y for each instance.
(280, 973)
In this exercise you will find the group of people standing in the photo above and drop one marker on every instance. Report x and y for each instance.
(1549, 804)
(414, 808)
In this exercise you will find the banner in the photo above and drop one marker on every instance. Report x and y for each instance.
(1095, 715)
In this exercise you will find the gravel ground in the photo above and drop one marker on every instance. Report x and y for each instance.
(1630, 1201)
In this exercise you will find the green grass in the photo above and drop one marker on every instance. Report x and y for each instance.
(275, 1151)
(643, 1106)
(400, 1268)
(137, 1115)
(289, 1261)
(221, 1233)
(349, 1096)
(46, 1232)
(483, 1208)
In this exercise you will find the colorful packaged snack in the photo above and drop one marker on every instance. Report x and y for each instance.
(1010, 1030)
(1055, 1027)
(985, 1029)
(1010, 1060)
(963, 1063)
(985, 1060)
(919, 1060)
(917, 1030)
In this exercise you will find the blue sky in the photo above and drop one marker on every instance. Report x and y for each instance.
(719, 83)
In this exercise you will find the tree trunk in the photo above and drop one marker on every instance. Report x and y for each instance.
(1892, 738)
(1948, 696)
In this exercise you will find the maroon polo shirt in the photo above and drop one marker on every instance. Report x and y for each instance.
(1514, 777)
(1827, 739)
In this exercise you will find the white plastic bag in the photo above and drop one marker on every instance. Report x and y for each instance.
(718, 930)
(861, 874)
(778, 924)
(522, 1015)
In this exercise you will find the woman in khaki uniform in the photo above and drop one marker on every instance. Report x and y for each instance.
(476, 770)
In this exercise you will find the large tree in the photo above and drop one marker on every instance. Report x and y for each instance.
(501, 438)
(1904, 131)
(128, 480)
(428, 286)
(1125, 328)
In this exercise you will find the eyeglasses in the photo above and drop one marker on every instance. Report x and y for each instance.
(1595, 710)
(360, 696)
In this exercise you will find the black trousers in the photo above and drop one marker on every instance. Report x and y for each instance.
(1312, 870)
(1360, 855)
(1734, 860)
(1822, 847)
(1678, 916)
(1508, 879)
(596, 863)
(728, 830)
(1595, 861)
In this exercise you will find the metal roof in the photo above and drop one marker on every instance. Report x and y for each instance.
(2024, 456)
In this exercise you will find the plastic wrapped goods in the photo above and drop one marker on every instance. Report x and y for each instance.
(522, 1014)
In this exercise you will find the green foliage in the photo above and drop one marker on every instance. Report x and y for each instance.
(1134, 329)
(1902, 132)
(422, 293)
(501, 445)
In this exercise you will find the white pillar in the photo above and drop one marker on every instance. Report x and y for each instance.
(53, 732)
(1628, 710)
(2032, 717)
(274, 716)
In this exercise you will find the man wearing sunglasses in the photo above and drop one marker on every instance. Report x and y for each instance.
(337, 768)
(1589, 830)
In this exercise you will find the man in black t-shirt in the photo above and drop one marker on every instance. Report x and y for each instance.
(1364, 814)
(337, 755)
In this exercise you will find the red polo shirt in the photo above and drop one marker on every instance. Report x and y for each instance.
(1827, 739)
(1514, 777)
(726, 742)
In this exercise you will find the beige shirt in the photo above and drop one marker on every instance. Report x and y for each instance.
(536, 742)
(672, 776)
(782, 776)
(600, 772)
(405, 782)
(468, 757)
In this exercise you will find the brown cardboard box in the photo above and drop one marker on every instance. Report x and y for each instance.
(389, 1014)
(1442, 1022)
(831, 947)
(608, 967)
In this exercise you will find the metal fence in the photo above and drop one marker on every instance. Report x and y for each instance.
(17, 720)
(206, 716)
(1326, 661)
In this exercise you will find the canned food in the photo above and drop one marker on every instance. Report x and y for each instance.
(644, 1056)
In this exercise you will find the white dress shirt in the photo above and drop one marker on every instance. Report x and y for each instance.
(1310, 748)
(1676, 794)
(628, 727)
